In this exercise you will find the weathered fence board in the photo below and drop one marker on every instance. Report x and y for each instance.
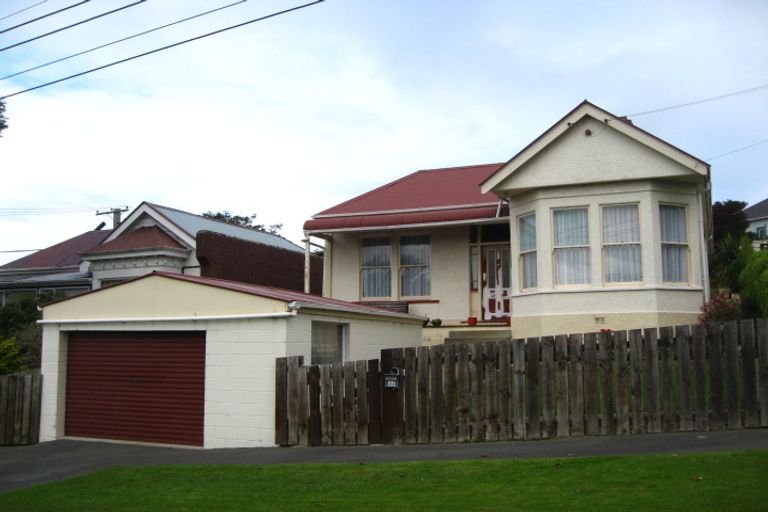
(609, 383)
(20, 408)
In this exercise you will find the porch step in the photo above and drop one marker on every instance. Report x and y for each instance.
(479, 335)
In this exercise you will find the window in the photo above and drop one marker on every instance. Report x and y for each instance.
(571, 246)
(674, 243)
(621, 244)
(527, 225)
(328, 340)
(375, 268)
(473, 267)
(760, 233)
(414, 266)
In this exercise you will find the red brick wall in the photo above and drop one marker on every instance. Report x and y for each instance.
(225, 257)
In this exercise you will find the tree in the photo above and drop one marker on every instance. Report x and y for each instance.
(728, 218)
(754, 286)
(731, 244)
(3, 119)
(243, 221)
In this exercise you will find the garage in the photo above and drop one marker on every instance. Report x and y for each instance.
(185, 360)
(137, 386)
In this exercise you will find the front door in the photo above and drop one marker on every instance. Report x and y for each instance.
(496, 290)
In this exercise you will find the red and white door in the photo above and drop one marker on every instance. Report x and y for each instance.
(496, 283)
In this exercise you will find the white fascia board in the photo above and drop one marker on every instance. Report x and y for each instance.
(297, 305)
(146, 208)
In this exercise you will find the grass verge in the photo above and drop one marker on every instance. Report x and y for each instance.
(700, 482)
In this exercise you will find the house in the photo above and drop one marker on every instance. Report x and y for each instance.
(595, 224)
(158, 238)
(757, 216)
(179, 359)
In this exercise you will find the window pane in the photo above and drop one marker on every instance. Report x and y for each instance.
(327, 341)
(572, 266)
(529, 270)
(490, 268)
(414, 250)
(505, 268)
(528, 233)
(414, 281)
(674, 259)
(377, 282)
(673, 227)
(473, 268)
(376, 252)
(622, 263)
(621, 224)
(571, 227)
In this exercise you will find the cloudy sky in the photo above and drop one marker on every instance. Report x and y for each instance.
(289, 116)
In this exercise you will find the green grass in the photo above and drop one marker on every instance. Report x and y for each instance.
(700, 482)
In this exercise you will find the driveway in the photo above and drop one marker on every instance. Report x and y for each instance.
(23, 466)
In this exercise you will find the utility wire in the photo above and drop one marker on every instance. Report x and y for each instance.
(22, 10)
(21, 250)
(44, 16)
(736, 150)
(697, 102)
(123, 39)
(156, 50)
(113, 11)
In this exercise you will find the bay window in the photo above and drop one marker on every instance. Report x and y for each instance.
(674, 243)
(571, 250)
(621, 244)
(527, 227)
(415, 279)
(375, 268)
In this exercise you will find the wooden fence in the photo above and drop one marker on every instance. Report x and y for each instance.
(20, 409)
(608, 383)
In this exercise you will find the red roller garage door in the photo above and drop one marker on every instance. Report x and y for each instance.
(136, 386)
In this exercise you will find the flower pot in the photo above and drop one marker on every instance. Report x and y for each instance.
(472, 320)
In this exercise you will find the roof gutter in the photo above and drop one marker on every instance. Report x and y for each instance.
(282, 314)
(296, 305)
(483, 220)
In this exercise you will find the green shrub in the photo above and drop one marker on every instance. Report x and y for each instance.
(754, 286)
(723, 307)
(11, 358)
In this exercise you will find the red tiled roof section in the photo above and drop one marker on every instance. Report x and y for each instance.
(403, 219)
(423, 189)
(63, 254)
(142, 238)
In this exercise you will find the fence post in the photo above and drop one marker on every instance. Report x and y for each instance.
(747, 334)
(762, 369)
(281, 401)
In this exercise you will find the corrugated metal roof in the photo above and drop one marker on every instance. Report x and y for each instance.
(62, 278)
(757, 210)
(63, 254)
(192, 223)
(150, 237)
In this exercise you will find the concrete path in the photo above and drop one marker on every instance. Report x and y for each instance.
(23, 466)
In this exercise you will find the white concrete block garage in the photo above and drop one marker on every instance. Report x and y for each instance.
(176, 359)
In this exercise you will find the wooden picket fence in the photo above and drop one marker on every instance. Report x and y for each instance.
(608, 383)
(20, 408)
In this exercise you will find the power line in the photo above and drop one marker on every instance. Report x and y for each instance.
(697, 102)
(44, 16)
(156, 50)
(736, 150)
(123, 39)
(22, 10)
(113, 11)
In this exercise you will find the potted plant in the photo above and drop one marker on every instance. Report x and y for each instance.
(436, 322)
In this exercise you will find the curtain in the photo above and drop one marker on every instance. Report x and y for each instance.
(376, 272)
(528, 250)
(621, 234)
(571, 263)
(415, 276)
(674, 244)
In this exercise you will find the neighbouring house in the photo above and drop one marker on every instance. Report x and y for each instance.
(757, 216)
(596, 224)
(158, 238)
(180, 359)
(52, 273)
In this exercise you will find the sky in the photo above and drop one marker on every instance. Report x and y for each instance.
(291, 115)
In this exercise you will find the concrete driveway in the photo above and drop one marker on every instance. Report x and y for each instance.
(23, 466)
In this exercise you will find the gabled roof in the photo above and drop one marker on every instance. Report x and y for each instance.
(621, 124)
(428, 196)
(190, 224)
(150, 237)
(63, 254)
(757, 210)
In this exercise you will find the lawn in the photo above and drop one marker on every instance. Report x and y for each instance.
(714, 481)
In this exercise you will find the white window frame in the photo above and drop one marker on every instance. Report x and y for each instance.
(605, 244)
(528, 252)
(363, 268)
(685, 244)
(556, 247)
(402, 267)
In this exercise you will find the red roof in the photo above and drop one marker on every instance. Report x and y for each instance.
(63, 254)
(426, 196)
(142, 238)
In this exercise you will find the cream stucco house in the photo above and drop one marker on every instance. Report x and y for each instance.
(596, 224)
